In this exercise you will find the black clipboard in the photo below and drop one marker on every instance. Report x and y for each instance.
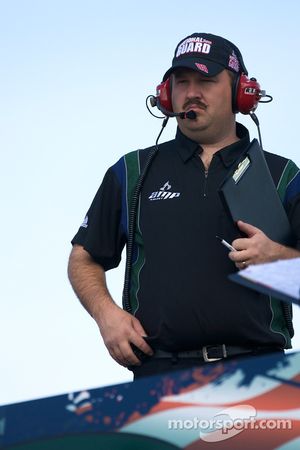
(249, 194)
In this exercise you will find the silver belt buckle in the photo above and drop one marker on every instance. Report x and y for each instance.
(207, 359)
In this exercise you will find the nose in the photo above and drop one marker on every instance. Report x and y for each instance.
(194, 90)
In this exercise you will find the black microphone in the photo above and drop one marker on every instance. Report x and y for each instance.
(187, 115)
(183, 115)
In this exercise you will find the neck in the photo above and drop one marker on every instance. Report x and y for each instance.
(208, 150)
(214, 140)
(212, 147)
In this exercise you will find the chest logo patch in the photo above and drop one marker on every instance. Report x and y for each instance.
(164, 193)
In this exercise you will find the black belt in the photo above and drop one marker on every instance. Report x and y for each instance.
(210, 353)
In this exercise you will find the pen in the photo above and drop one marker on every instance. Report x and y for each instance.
(226, 244)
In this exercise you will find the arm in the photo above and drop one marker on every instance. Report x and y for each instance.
(257, 248)
(118, 328)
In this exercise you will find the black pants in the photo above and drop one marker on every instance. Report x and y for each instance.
(157, 366)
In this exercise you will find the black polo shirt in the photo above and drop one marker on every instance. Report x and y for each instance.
(179, 288)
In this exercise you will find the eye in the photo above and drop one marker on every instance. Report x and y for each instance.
(181, 81)
(209, 80)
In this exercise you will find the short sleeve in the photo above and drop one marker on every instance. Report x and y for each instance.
(101, 232)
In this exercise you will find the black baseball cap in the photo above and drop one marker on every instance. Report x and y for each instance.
(208, 54)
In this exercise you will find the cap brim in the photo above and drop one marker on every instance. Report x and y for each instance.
(203, 66)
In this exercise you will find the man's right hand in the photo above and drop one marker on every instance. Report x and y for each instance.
(119, 330)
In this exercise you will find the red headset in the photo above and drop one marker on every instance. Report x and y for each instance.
(246, 94)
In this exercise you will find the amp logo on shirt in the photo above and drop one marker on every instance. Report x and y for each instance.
(164, 193)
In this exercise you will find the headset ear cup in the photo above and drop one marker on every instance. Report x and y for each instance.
(163, 95)
(247, 95)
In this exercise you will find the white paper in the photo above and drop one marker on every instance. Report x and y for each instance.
(282, 275)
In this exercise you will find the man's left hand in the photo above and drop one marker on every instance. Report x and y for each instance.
(256, 248)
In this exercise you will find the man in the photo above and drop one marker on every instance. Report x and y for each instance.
(181, 308)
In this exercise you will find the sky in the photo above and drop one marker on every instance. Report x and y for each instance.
(74, 76)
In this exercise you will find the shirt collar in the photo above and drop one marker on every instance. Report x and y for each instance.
(187, 147)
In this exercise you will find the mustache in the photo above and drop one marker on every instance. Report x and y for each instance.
(194, 102)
